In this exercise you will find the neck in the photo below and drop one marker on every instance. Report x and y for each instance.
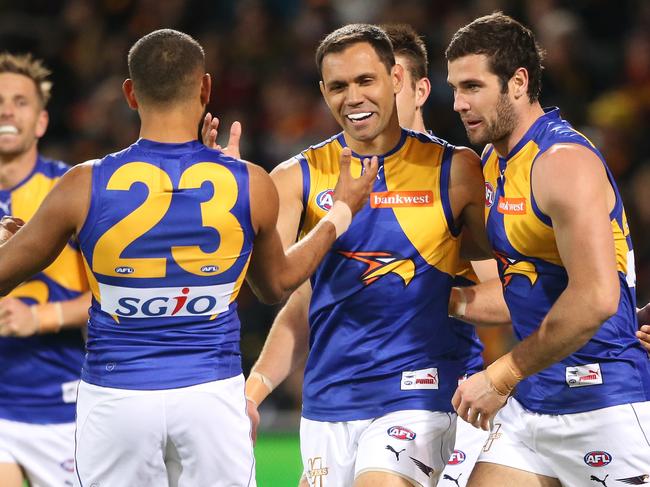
(418, 123)
(169, 125)
(15, 168)
(381, 144)
(524, 120)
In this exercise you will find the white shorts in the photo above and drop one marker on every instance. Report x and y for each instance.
(413, 444)
(610, 445)
(186, 437)
(469, 443)
(44, 451)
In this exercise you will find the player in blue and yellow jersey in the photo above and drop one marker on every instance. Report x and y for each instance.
(384, 359)
(41, 347)
(168, 230)
(581, 409)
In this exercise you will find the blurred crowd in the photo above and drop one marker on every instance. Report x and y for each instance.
(261, 56)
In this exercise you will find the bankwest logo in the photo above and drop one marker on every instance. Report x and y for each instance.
(129, 302)
(398, 199)
(512, 206)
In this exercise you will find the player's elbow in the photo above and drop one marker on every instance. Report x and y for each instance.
(604, 300)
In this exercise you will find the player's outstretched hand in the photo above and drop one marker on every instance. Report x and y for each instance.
(8, 226)
(477, 401)
(209, 132)
(254, 416)
(352, 191)
(644, 326)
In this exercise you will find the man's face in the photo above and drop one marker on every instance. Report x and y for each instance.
(359, 90)
(486, 112)
(22, 119)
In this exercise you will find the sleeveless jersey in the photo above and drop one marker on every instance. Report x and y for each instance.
(166, 243)
(612, 368)
(39, 374)
(380, 336)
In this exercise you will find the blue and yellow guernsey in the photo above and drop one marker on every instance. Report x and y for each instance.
(39, 374)
(166, 244)
(380, 337)
(611, 368)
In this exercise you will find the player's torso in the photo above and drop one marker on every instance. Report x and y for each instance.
(167, 242)
(599, 374)
(38, 374)
(380, 334)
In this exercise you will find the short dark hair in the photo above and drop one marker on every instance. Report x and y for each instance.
(508, 44)
(30, 67)
(350, 34)
(162, 65)
(406, 42)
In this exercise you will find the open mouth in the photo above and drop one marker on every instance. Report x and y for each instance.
(8, 129)
(471, 124)
(359, 117)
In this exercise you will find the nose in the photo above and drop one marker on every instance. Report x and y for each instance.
(354, 95)
(5, 110)
(460, 103)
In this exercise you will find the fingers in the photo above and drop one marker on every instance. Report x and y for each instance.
(209, 131)
(485, 422)
(370, 168)
(345, 161)
(644, 336)
(11, 224)
(233, 140)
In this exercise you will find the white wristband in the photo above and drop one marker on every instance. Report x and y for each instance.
(340, 216)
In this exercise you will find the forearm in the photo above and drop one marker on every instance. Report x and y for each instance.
(75, 311)
(285, 348)
(569, 325)
(482, 305)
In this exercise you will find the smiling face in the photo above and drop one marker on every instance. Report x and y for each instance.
(360, 92)
(22, 117)
(487, 113)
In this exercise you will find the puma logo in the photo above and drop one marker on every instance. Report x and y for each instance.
(454, 480)
(388, 447)
(596, 479)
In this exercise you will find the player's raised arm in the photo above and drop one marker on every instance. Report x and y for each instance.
(39, 241)
(272, 273)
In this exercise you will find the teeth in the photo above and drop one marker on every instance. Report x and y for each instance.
(8, 129)
(359, 116)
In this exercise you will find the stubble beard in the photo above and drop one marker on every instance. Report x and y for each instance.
(500, 128)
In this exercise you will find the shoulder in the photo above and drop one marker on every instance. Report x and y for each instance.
(567, 157)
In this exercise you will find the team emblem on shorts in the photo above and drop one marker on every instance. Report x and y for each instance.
(401, 433)
(489, 195)
(456, 458)
(316, 471)
(325, 199)
(598, 458)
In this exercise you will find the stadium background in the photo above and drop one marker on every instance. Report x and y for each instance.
(260, 54)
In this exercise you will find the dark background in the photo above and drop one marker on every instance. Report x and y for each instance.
(260, 54)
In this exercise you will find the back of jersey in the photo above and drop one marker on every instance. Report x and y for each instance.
(166, 244)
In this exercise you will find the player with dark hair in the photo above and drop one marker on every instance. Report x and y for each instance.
(383, 357)
(168, 230)
(556, 223)
(41, 347)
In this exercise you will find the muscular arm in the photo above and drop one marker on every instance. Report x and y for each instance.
(585, 243)
(467, 197)
(273, 274)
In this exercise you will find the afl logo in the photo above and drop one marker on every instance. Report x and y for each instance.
(456, 458)
(489, 195)
(401, 433)
(598, 458)
(124, 270)
(209, 268)
(325, 199)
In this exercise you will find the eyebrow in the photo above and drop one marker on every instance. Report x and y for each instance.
(360, 77)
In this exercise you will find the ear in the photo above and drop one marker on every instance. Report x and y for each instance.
(41, 124)
(129, 94)
(422, 91)
(518, 84)
(206, 88)
(397, 75)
